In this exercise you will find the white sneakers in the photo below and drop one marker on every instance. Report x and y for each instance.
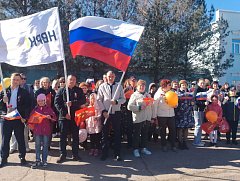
(143, 151)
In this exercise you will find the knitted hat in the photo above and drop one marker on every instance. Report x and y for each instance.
(41, 97)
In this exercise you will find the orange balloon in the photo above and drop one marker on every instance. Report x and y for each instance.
(212, 116)
(171, 98)
(0, 87)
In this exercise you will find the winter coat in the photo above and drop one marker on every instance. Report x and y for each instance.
(231, 110)
(160, 106)
(44, 128)
(94, 123)
(200, 97)
(184, 111)
(216, 108)
(134, 104)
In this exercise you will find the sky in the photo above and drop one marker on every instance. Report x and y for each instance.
(233, 5)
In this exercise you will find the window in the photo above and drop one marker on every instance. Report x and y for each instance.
(236, 46)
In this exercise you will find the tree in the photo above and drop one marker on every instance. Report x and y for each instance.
(156, 48)
(70, 10)
(177, 40)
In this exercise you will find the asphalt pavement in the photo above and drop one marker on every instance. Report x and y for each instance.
(197, 163)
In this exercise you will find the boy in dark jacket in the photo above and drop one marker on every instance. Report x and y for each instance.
(231, 110)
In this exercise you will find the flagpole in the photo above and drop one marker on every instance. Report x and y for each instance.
(64, 62)
(66, 83)
(115, 94)
(3, 86)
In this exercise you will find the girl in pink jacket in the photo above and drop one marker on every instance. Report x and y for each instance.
(214, 106)
(42, 131)
(94, 127)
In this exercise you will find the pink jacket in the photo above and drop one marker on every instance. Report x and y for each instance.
(44, 128)
(216, 108)
(93, 124)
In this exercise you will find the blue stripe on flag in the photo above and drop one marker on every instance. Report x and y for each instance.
(122, 44)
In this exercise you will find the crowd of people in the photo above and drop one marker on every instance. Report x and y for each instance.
(127, 112)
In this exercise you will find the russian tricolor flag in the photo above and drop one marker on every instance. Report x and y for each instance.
(108, 40)
(14, 115)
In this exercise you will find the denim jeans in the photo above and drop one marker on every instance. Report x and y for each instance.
(41, 140)
(198, 118)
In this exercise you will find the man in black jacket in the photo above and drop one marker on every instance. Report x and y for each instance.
(66, 120)
(16, 98)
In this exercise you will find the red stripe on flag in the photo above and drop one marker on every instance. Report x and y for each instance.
(109, 56)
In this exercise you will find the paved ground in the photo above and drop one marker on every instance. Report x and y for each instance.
(221, 163)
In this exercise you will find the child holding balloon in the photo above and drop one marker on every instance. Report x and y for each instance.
(214, 106)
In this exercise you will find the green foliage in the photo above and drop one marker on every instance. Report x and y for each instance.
(178, 39)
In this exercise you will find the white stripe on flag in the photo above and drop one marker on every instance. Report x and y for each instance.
(108, 25)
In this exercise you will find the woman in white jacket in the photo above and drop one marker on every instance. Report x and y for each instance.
(165, 115)
(142, 114)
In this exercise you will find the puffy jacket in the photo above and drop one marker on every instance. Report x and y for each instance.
(134, 104)
(44, 128)
(160, 107)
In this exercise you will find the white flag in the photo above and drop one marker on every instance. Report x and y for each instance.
(31, 40)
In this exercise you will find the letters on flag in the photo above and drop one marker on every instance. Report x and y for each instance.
(36, 118)
(108, 40)
(31, 40)
(14, 115)
(83, 114)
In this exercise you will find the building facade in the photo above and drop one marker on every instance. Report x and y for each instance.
(232, 45)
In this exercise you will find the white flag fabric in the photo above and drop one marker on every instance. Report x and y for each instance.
(31, 40)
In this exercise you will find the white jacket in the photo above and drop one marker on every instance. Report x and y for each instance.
(105, 95)
(160, 107)
(134, 103)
